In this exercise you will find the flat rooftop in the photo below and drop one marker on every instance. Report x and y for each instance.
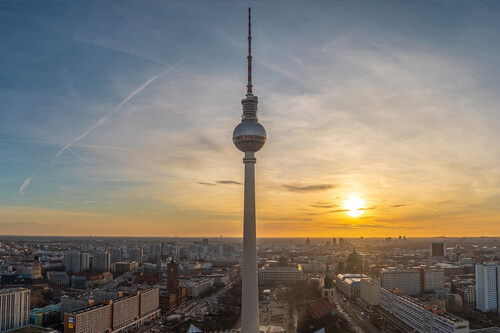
(31, 329)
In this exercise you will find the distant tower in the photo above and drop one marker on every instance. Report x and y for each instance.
(37, 268)
(172, 276)
(327, 290)
(249, 137)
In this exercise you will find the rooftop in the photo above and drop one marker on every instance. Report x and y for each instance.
(31, 329)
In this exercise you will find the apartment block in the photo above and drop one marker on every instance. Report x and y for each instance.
(14, 308)
(419, 316)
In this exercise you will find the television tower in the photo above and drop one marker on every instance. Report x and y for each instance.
(249, 137)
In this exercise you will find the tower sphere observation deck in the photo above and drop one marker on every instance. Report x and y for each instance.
(249, 135)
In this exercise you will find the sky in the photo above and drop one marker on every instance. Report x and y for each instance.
(116, 117)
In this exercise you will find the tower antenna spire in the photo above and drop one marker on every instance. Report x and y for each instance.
(249, 85)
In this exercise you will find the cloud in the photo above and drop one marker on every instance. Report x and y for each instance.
(339, 210)
(400, 205)
(25, 184)
(228, 182)
(308, 188)
(207, 184)
(320, 204)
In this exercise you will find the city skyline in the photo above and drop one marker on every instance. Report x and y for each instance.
(117, 118)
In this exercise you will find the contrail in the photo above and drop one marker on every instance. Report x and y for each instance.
(107, 116)
(99, 123)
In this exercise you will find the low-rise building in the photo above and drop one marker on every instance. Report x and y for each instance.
(276, 274)
(350, 284)
(370, 292)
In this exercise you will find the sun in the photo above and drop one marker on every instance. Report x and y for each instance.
(355, 206)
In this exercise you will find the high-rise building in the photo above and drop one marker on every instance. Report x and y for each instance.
(76, 262)
(84, 262)
(249, 137)
(14, 308)
(438, 249)
(116, 254)
(72, 261)
(488, 287)
(101, 262)
(136, 255)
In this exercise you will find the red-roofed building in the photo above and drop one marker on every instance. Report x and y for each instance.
(150, 279)
(319, 314)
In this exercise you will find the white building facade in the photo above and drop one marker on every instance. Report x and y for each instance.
(487, 287)
(14, 308)
(406, 280)
(421, 317)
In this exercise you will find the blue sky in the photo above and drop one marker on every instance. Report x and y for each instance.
(116, 117)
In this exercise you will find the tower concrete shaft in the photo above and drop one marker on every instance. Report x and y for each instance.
(249, 137)
(250, 297)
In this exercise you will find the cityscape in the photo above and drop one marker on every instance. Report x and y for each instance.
(398, 284)
(373, 208)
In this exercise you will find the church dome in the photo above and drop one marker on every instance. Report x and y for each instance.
(354, 263)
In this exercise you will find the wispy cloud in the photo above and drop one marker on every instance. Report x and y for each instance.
(206, 184)
(320, 204)
(308, 188)
(400, 205)
(228, 182)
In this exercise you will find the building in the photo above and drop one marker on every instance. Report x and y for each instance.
(350, 284)
(93, 319)
(60, 278)
(136, 255)
(101, 262)
(197, 286)
(370, 292)
(32, 329)
(116, 254)
(354, 264)
(72, 262)
(149, 302)
(431, 278)
(174, 296)
(468, 293)
(249, 136)
(328, 290)
(487, 287)
(123, 314)
(125, 310)
(14, 308)
(438, 249)
(320, 314)
(46, 316)
(420, 317)
(37, 268)
(277, 274)
(406, 280)
(76, 262)
(70, 304)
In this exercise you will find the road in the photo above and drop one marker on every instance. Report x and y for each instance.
(359, 323)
